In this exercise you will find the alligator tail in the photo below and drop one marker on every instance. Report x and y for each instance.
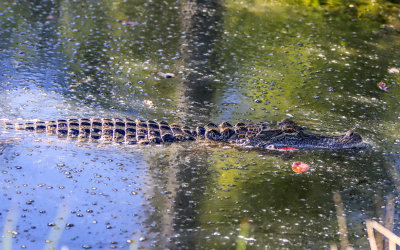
(129, 131)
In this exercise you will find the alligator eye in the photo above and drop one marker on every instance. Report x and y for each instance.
(271, 147)
(349, 133)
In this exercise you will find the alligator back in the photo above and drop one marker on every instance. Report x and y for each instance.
(136, 131)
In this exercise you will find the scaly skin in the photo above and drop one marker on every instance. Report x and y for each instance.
(138, 131)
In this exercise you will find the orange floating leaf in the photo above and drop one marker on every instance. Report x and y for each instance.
(300, 167)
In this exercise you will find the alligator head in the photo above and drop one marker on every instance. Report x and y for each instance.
(291, 136)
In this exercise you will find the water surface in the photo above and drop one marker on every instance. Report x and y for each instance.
(248, 61)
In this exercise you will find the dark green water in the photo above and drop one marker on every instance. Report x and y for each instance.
(237, 61)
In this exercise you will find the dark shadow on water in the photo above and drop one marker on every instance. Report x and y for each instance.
(202, 26)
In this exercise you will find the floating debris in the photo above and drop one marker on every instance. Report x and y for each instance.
(383, 86)
(74, 85)
(394, 70)
(149, 103)
(85, 80)
(166, 75)
(89, 79)
(129, 22)
(300, 167)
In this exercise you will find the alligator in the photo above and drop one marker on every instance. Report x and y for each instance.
(137, 131)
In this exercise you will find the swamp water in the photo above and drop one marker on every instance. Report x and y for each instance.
(235, 61)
